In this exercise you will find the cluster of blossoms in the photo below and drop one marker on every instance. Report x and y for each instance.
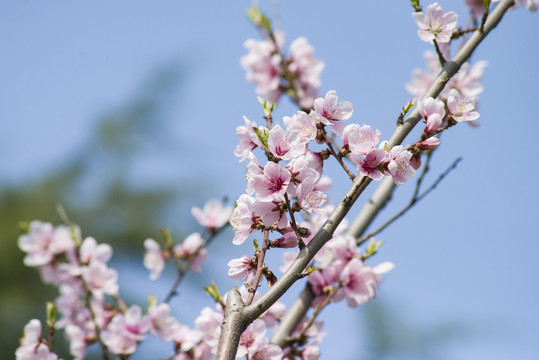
(275, 74)
(89, 307)
(291, 181)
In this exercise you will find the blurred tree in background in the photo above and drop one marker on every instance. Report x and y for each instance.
(96, 187)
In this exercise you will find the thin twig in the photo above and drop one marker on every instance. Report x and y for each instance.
(260, 256)
(183, 268)
(88, 294)
(414, 201)
(293, 223)
(339, 159)
(439, 52)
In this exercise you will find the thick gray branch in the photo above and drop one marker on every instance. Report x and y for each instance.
(233, 326)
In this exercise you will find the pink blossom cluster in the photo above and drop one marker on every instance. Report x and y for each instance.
(275, 73)
(32, 346)
(254, 343)
(292, 181)
(212, 216)
(79, 268)
(461, 91)
(341, 271)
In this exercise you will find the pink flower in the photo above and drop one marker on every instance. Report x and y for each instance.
(248, 139)
(308, 197)
(272, 213)
(193, 245)
(323, 279)
(435, 25)
(467, 80)
(253, 343)
(242, 268)
(189, 339)
(162, 323)
(329, 112)
(43, 242)
(461, 107)
(263, 66)
(272, 183)
(433, 112)
(399, 165)
(421, 79)
(301, 169)
(360, 281)
(243, 219)
(369, 166)
(126, 330)
(213, 215)
(77, 341)
(153, 258)
(304, 124)
(428, 144)
(209, 323)
(306, 69)
(285, 145)
(100, 279)
(90, 251)
(360, 139)
(31, 347)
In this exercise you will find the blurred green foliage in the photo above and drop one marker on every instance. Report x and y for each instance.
(96, 187)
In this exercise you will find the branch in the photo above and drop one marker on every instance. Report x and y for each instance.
(251, 312)
(233, 326)
(415, 199)
(384, 191)
(260, 255)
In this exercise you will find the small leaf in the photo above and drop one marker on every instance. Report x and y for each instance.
(52, 311)
(255, 244)
(372, 247)
(486, 4)
(258, 18)
(263, 136)
(415, 5)
(408, 106)
(24, 226)
(152, 301)
(167, 237)
(213, 292)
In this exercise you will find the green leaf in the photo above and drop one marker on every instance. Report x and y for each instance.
(152, 301)
(52, 311)
(167, 237)
(213, 292)
(486, 4)
(408, 106)
(24, 226)
(415, 5)
(263, 136)
(372, 247)
(258, 18)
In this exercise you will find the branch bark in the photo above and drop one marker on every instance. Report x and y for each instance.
(244, 316)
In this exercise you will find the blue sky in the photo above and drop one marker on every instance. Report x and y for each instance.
(465, 254)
